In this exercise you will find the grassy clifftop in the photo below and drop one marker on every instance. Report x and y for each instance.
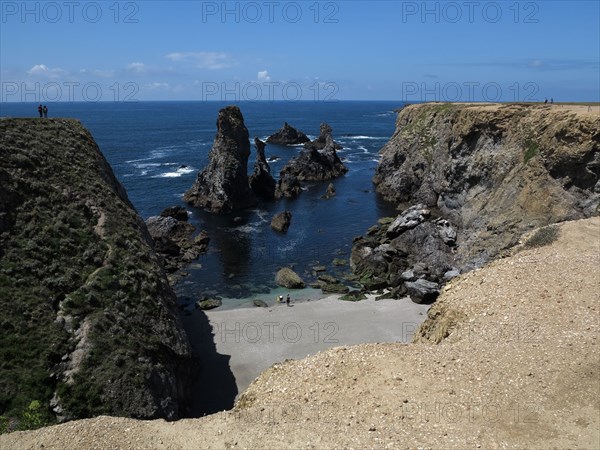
(88, 323)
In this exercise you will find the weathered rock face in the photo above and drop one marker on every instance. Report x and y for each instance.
(288, 135)
(494, 171)
(89, 322)
(321, 142)
(261, 181)
(223, 185)
(315, 165)
(174, 243)
(477, 177)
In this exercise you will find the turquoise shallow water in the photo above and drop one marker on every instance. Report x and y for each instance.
(157, 148)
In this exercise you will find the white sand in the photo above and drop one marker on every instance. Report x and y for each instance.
(256, 338)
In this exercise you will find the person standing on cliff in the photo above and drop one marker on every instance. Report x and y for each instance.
(40, 110)
(45, 111)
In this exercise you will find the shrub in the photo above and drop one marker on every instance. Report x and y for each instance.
(543, 236)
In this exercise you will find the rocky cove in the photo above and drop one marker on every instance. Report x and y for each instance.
(468, 181)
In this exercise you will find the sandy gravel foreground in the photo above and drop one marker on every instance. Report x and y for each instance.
(518, 368)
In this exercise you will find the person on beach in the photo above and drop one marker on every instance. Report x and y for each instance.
(280, 299)
(287, 300)
(40, 110)
(45, 111)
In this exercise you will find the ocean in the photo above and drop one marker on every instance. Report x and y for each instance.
(157, 148)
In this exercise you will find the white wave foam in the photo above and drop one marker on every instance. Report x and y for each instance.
(249, 228)
(363, 137)
(175, 174)
(144, 165)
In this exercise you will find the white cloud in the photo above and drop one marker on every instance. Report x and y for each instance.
(536, 63)
(137, 67)
(263, 75)
(44, 70)
(104, 73)
(203, 60)
(158, 86)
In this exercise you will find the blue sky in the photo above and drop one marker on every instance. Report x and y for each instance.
(313, 50)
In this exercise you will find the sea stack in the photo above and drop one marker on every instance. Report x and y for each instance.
(223, 185)
(320, 143)
(261, 181)
(288, 135)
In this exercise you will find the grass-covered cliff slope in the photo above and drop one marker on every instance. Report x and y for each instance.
(87, 319)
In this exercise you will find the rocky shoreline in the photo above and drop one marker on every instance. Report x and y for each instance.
(436, 167)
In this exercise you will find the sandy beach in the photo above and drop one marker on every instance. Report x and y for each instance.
(249, 340)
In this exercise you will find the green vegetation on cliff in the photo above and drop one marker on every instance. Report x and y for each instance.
(88, 323)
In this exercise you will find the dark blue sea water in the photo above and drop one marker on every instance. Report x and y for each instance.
(147, 143)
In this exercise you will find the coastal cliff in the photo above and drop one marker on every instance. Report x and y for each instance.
(477, 176)
(89, 322)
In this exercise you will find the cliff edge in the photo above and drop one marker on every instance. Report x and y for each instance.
(88, 321)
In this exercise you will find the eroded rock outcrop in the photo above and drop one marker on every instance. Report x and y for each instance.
(173, 241)
(223, 185)
(288, 135)
(315, 165)
(321, 142)
(261, 181)
(89, 321)
(288, 187)
(471, 179)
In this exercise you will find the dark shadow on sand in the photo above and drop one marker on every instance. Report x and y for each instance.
(215, 389)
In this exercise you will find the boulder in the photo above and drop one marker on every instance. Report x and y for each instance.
(334, 288)
(209, 303)
(353, 296)
(223, 185)
(329, 193)
(176, 212)
(422, 291)
(260, 303)
(328, 279)
(453, 273)
(261, 182)
(288, 135)
(281, 221)
(446, 231)
(409, 218)
(322, 141)
(287, 278)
